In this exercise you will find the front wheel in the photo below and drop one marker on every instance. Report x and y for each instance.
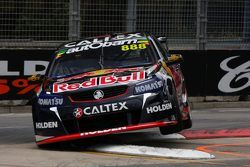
(187, 123)
(165, 130)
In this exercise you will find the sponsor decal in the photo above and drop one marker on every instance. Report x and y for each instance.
(159, 108)
(127, 41)
(50, 101)
(104, 40)
(104, 108)
(144, 41)
(149, 87)
(46, 125)
(100, 45)
(60, 53)
(98, 94)
(134, 47)
(104, 131)
(234, 75)
(78, 113)
(103, 80)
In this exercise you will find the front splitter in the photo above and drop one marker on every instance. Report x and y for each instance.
(104, 132)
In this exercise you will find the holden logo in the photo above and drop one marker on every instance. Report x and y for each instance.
(98, 94)
(78, 112)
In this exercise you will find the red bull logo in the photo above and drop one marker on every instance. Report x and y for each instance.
(103, 80)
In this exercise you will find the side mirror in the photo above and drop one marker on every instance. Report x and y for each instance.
(36, 77)
(174, 59)
(162, 39)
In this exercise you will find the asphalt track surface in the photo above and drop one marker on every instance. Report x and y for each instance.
(17, 147)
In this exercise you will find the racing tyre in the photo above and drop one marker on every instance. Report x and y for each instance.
(187, 123)
(165, 130)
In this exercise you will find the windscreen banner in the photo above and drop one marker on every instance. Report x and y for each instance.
(207, 73)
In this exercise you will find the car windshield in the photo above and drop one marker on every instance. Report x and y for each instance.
(129, 53)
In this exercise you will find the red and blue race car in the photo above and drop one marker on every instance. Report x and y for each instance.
(110, 84)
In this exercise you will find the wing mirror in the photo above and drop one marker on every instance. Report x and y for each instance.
(174, 59)
(162, 39)
(36, 78)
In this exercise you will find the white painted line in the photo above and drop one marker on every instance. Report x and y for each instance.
(152, 151)
(14, 127)
(153, 136)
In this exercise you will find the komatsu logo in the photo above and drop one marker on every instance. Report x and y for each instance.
(50, 102)
(148, 87)
(158, 108)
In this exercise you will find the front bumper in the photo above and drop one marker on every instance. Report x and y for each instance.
(55, 124)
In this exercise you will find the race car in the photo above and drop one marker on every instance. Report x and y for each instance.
(110, 84)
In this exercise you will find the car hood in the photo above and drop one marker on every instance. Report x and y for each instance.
(99, 78)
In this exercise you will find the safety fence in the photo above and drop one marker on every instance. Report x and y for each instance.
(188, 24)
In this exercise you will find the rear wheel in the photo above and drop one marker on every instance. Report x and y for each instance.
(187, 123)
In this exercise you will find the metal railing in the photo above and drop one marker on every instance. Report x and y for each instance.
(188, 24)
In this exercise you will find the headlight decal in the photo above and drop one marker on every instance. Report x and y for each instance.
(151, 86)
(55, 110)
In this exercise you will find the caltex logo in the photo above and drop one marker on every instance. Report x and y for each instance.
(78, 113)
(98, 94)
